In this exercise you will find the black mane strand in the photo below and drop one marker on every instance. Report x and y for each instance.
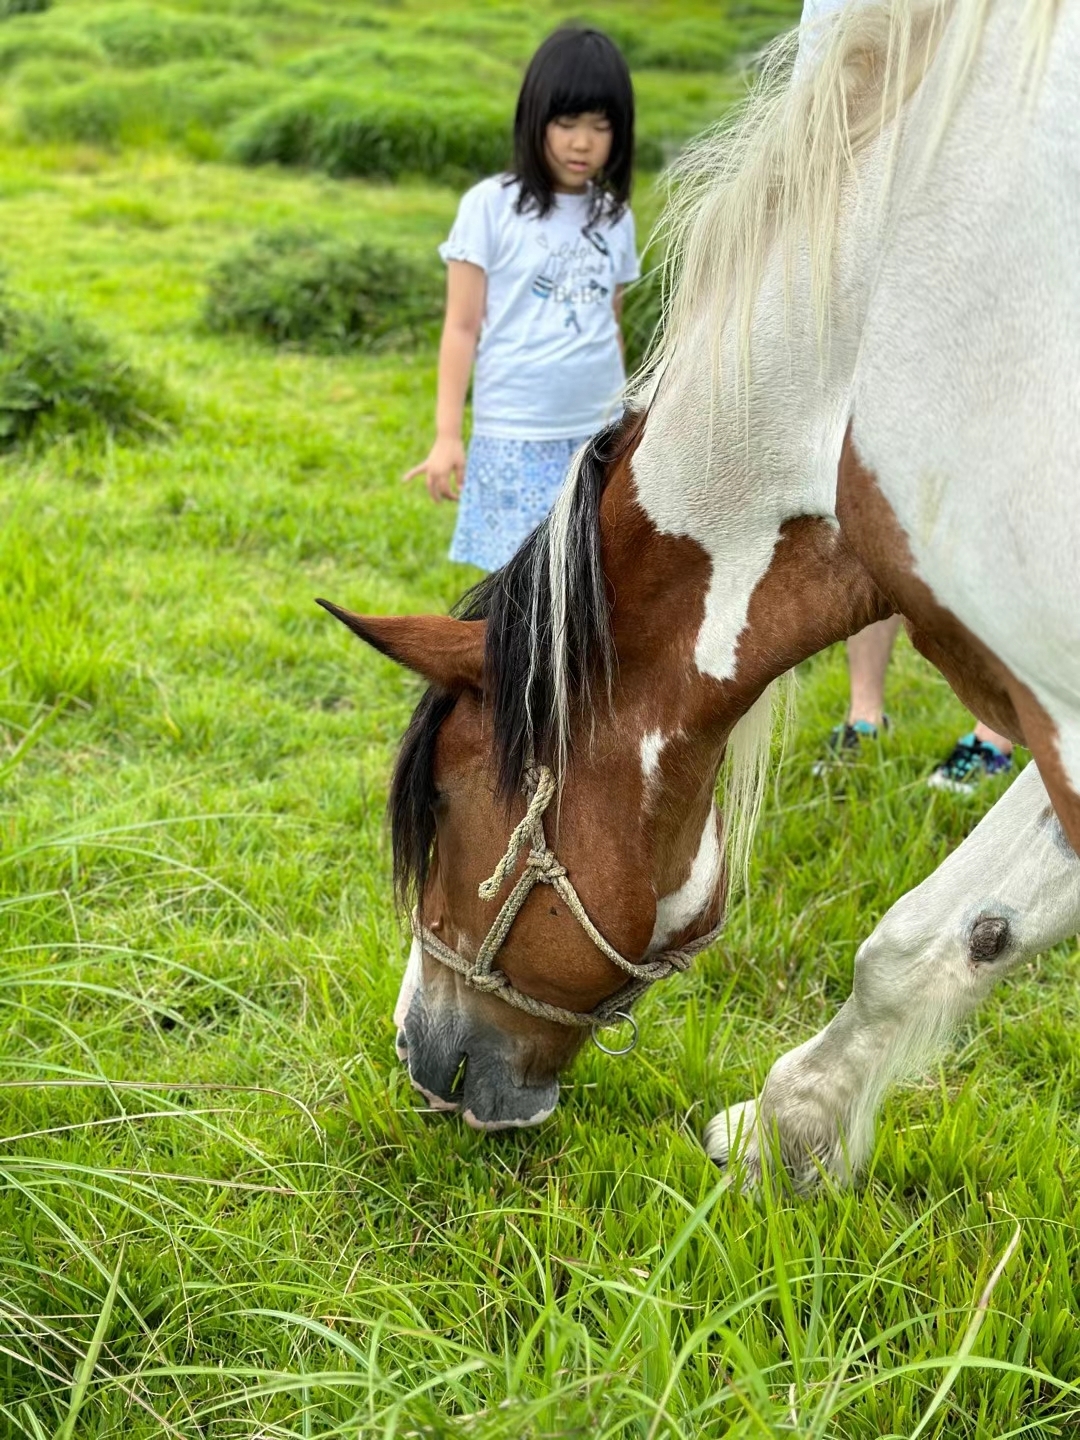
(413, 795)
(524, 647)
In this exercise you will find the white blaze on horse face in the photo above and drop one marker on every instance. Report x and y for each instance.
(409, 985)
(966, 406)
(682, 907)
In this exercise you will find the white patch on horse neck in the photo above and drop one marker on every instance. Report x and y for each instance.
(652, 742)
(727, 464)
(682, 907)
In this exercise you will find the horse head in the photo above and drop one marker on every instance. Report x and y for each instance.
(554, 825)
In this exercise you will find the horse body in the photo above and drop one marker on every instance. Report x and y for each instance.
(966, 404)
(809, 456)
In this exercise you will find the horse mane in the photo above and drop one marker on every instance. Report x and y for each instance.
(772, 174)
(545, 659)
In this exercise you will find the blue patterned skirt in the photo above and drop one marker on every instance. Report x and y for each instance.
(510, 485)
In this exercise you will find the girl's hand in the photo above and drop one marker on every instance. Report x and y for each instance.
(443, 470)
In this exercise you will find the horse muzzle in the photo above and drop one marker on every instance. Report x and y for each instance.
(461, 1064)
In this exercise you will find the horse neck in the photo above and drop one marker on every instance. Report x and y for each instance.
(669, 626)
(721, 547)
(730, 456)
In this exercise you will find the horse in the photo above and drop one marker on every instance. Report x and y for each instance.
(863, 401)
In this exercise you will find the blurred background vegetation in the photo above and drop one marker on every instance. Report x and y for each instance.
(376, 89)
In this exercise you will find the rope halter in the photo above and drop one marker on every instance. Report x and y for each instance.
(542, 867)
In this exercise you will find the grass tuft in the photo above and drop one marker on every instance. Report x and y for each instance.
(681, 45)
(142, 35)
(190, 102)
(20, 44)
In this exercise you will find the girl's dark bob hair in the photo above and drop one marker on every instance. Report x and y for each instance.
(575, 70)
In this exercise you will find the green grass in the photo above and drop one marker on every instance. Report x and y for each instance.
(302, 288)
(223, 1212)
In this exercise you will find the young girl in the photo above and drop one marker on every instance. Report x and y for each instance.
(537, 261)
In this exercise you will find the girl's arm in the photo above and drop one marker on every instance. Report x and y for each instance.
(620, 291)
(466, 293)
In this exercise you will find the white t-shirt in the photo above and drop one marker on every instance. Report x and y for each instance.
(548, 365)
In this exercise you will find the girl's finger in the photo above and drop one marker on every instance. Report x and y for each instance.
(416, 470)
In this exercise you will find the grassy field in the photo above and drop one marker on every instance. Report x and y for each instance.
(223, 1212)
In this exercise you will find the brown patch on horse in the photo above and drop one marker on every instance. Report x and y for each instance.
(982, 681)
(816, 591)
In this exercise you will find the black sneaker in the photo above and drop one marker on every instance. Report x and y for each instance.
(968, 762)
(844, 743)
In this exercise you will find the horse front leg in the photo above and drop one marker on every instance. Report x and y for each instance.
(1009, 891)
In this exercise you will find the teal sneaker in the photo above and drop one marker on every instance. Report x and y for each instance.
(844, 743)
(968, 762)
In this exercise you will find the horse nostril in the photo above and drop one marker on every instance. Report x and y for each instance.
(435, 1065)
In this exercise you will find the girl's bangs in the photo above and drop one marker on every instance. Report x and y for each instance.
(586, 84)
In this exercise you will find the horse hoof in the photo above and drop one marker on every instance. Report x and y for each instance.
(729, 1137)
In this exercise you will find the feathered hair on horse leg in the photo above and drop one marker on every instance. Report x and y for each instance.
(748, 762)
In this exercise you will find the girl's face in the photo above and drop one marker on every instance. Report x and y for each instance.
(576, 149)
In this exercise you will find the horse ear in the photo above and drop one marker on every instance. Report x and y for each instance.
(447, 652)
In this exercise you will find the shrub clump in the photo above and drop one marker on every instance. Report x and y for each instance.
(140, 36)
(317, 292)
(189, 102)
(22, 7)
(327, 127)
(60, 376)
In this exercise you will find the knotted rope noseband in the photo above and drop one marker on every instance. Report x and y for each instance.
(543, 868)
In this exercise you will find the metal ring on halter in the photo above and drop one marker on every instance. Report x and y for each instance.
(618, 1015)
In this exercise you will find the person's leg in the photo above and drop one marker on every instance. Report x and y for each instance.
(986, 736)
(868, 659)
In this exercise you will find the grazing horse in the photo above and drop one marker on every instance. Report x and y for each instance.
(865, 400)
